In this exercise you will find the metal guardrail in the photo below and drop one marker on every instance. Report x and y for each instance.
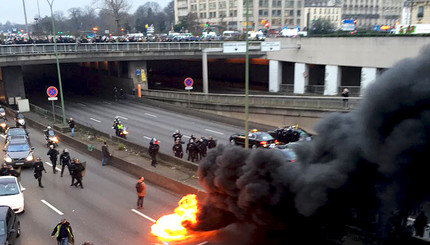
(36, 49)
(269, 101)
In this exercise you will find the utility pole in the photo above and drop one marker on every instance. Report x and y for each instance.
(25, 16)
(247, 76)
(58, 62)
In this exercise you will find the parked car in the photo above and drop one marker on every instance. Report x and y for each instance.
(256, 139)
(11, 193)
(10, 228)
(18, 152)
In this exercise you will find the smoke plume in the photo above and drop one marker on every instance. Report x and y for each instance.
(365, 169)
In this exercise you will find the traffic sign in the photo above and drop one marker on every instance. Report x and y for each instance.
(188, 82)
(52, 91)
(234, 47)
(52, 98)
(270, 46)
(188, 88)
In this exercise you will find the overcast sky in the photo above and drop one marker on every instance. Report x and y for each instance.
(12, 10)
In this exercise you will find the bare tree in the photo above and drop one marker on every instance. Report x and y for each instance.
(117, 8)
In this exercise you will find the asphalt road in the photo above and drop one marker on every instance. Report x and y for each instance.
(102, 212)
(143, 122)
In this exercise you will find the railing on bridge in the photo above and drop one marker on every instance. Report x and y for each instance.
(270, 101)
(29, 49)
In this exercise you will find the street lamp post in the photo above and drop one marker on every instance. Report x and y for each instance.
(247, 76)
(25, 16)
(58, 62)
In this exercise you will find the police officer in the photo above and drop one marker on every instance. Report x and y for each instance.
(65, 161)
(77, 169)
(38, 168)
(153, 151)
(53, 155)
(177, 135)
(192, 150)
(211, 143)
(177, 149)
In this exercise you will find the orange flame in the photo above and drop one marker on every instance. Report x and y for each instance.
(169, 227)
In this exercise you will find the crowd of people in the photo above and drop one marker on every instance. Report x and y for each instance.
(195, 148)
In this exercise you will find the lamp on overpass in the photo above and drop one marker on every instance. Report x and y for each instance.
(58, 62)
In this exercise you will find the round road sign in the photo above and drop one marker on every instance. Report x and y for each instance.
(188, 82)
(52, 91)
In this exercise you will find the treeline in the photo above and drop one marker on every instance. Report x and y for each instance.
(110, 16)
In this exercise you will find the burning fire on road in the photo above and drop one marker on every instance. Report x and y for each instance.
(176, 227)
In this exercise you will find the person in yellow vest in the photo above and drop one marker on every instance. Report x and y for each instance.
(63, 232)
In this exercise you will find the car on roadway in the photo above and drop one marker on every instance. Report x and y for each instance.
(14, 131)
(10, 227)
(288, 152)
(18, 152)
(255, 139)
(11, 193)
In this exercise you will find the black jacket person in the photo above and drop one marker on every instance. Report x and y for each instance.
(53, 155)
(38, 168)
(65, 161)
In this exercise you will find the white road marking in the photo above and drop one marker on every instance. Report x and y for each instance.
(107, 102)
(186, 136)
(203, 243)
(95, 120)
(150, 115)
(52, 207)
(2, 135)
(50, 164)
(146, 137)
(81, 104)
(213, 131)
(123, 117)
(144, 216)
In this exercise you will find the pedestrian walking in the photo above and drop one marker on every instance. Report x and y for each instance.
(53, 155)
(177, 149)
(65, 160)
(345, 94)
(71, 123)
(141, 192)
(63, 232)
(153, 151)
(420, 223)
(105, 154)
(211, 142)
(38, 168)
(77, 173)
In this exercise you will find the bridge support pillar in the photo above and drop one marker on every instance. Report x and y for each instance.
(141, 79)
(275, 75)
(11, 84)
(205, 72)
(332, 80)
(368, 75)
(301, 77)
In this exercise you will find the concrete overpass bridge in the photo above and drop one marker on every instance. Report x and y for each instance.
(119, 60)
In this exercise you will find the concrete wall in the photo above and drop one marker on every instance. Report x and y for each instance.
(13, 82)
(380, 52)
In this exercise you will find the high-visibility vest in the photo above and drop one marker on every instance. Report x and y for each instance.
(58, 231)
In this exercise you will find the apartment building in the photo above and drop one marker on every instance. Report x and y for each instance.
(419, 11)
(373, 12)
(323, 9)
(232, 13)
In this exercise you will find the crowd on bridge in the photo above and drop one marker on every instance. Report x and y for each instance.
(20, 40)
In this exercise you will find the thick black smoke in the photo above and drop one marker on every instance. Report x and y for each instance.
(365, 169)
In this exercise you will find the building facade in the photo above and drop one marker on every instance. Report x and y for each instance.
(323, 9)
(232, 13)
(373, 12)
(419, 11)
